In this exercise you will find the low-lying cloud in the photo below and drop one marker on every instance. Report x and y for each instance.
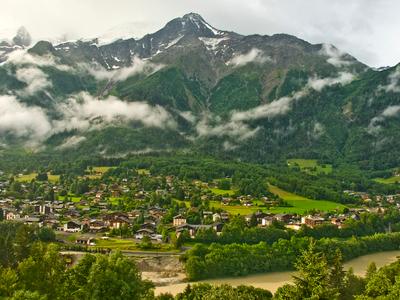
(374, 126)
(82, 113)
(35, 79)
(394, 82)
(138, 66)
(71, 142)
(335, 56)
(21, 120)
(237, 126)
(22, 57)
(320, 83)
(253, 56)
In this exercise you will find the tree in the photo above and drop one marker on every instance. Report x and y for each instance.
(27, 295)
(46, 234)
(371, 271)
(116, 277)
(42, 176)
(224, 184)
(43, 270)
(313, 281)
(24, 239)
(337, 274)
(146, 243)
(8, 282)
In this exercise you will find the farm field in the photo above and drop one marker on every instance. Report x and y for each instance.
(29, 177)
(97, 172)
(310, 166)
(217, 191)
(390, 180)
(302, 204)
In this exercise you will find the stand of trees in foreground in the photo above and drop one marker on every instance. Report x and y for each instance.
(218, 260)
(317, 278)
(31, 269)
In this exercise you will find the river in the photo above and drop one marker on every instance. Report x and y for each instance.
(272, 281)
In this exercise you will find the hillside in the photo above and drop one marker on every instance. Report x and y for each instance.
(192, 87)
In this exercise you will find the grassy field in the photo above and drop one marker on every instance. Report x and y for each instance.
(72, 197)
(222, 192)
(97, 172)
(302, 204)
(29, 177)
(310, 166)
(143, 171)
(129, 244)
(116, 244)
(390, 180)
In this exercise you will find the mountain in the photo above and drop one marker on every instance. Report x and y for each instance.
(192, 87)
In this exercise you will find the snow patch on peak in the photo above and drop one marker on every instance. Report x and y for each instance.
(212, 43)
(174, 42)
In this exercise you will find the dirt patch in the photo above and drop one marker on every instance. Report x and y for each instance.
(162, 270)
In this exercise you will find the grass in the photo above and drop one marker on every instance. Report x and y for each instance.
(128, 244)
(390, 180)
(310, 166)
(143, 171)
(299, 204)
(97, 172)
(236, 209)
(72, 198)
(31, 176)
(217, 191)
(302, 204)
(116, 244)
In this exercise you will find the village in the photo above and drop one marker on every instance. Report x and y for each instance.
(143, 212)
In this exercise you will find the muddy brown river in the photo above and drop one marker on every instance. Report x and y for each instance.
(272, 281)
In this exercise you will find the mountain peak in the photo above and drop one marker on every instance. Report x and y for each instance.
(193, 17)
(193, 23)
(23, 38)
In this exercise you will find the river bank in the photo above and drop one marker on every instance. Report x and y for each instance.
(272, 281)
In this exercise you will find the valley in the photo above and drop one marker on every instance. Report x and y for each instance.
(197, 163)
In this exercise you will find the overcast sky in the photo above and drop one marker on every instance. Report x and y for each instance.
(367, 29)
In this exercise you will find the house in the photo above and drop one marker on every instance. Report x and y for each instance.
(224, 216)
(284, 217)
(148, 225)
(312, 221)
(143, 232)
(97, 226)
(12, 215)
(179, 220)
(207, 214)
(28, 220)
(216, 217)
(45, 210)
(117, 220)
(218, 227)
(338, 221)
(267, 221)
(73, 226)
(85, 241)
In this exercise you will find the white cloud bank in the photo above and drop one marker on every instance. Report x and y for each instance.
(22, 120)
(35, 79)
(335, 56)
(21, 57)
(253, 56)
(391, 111)
(138, 66)
(236, 127)
(82, 112)
(394, 82)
